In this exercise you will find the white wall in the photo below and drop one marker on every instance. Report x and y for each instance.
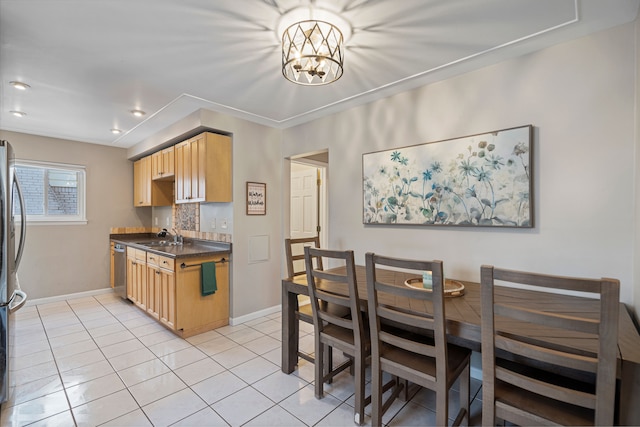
(579, 97)
(65, 259)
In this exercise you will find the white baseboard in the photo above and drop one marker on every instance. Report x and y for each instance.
(255, 315)
(58, 298)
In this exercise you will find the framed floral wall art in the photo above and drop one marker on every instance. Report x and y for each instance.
(482, 180)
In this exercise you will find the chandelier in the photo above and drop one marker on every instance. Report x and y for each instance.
(312, 53)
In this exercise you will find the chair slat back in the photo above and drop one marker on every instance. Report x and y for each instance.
(547, 354)
(575, 397)
(294, 250)
(327, 289)
(379, 291)
(499, 314)
(554, 320)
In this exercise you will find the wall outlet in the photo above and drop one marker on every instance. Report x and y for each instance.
(213, 224)
(168, 222)
(223, 223)
(156, 220)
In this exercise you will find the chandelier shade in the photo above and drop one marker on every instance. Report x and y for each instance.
(312, 53)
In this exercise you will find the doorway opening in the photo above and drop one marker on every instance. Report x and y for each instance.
(308, 197)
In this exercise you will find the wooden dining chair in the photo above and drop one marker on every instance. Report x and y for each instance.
(552, 382)
(345, 333)
(294, 250)
(409, 339)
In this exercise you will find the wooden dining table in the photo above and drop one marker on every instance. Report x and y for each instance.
(463, 327)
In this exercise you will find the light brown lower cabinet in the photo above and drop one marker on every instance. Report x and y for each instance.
(137, 277)
(161, 289)
(168, 298)
(195, 313)
(169, 290)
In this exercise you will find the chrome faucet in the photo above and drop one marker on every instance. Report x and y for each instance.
(177, 237)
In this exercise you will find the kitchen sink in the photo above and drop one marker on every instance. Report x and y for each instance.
(162, 243)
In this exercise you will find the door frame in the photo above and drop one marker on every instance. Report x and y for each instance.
(323, 200)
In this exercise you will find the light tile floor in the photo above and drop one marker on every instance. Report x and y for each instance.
(100, 361)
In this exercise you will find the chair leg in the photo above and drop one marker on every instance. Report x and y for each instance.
(405, 385)
(328, 361)
(465, 386)
(359, 390)
(376, 395)
(319, 369)
(442, 405)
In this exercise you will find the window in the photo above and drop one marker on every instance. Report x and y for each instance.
(52, 192)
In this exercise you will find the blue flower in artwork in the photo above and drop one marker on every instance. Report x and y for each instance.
(404, 161)
(395, 156)
(482, 175)
(426, 175)
(467, 167)
(436, 167)
(494, 161)
(470, 192)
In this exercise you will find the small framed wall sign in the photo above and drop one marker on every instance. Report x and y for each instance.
(256, 198)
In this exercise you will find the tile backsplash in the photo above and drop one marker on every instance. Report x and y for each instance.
(186, 216)
(192, 220)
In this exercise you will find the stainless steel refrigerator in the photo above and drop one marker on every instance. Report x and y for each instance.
(12, 298)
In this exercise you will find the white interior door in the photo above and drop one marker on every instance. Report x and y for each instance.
(304, 201)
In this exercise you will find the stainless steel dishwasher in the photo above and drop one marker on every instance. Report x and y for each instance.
(120, 270)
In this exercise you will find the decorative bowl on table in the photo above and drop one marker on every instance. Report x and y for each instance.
(452, 288)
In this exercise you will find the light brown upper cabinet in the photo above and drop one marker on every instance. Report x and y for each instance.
(203, 169)
(147, 192)
(142, 182)
(163, 164)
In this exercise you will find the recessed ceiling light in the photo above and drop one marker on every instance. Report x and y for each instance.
(116, 131)
(138, 113)
(18, 113)
(19, 85)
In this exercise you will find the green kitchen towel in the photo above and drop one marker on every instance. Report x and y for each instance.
(208, 281)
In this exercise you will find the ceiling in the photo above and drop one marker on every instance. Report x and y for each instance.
(89, 63)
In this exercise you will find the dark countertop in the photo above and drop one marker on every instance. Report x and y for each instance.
(190, 247)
